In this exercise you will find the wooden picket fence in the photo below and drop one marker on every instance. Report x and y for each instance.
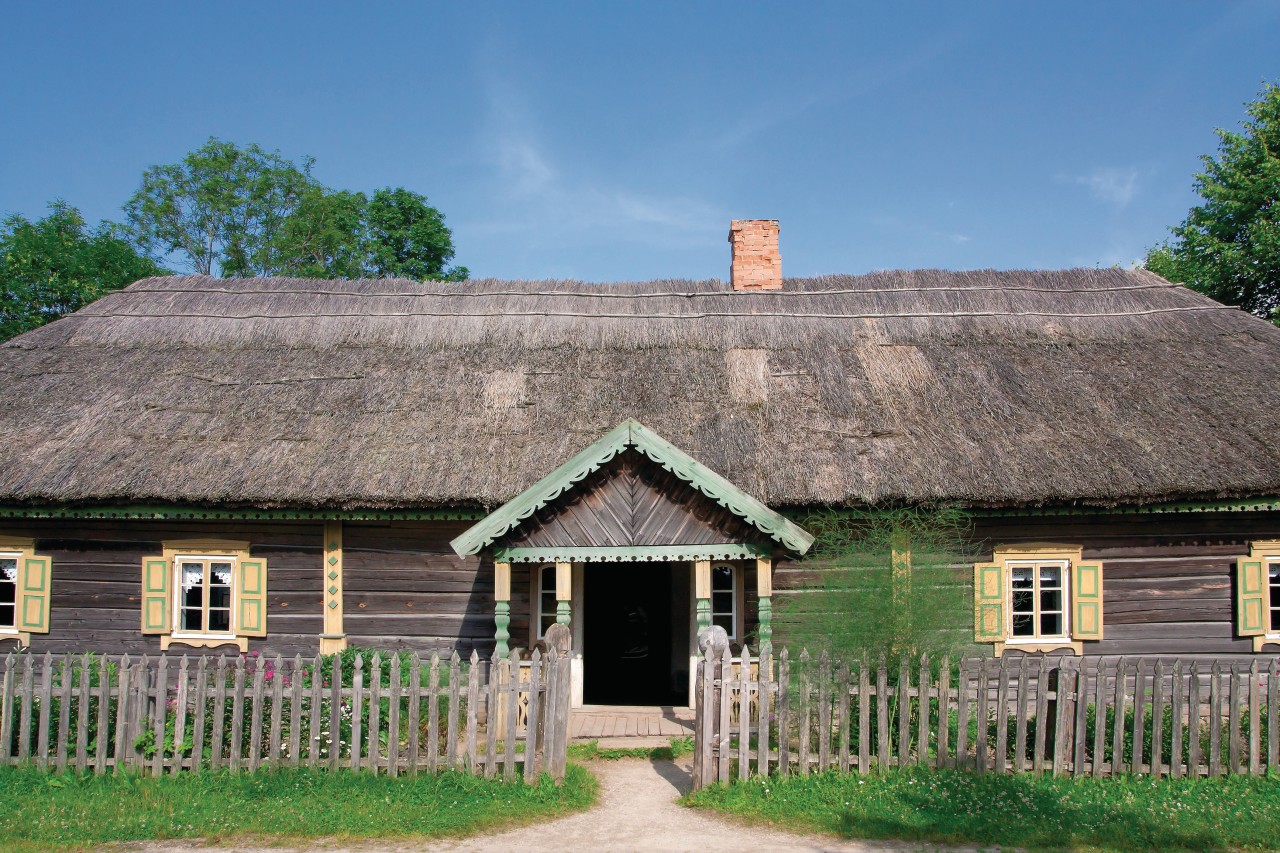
(1096, 716)
(400, 715)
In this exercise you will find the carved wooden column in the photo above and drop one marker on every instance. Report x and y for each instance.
(502, 607)
(702, 592)
(333, 637)
(764, 595)
(564, 593)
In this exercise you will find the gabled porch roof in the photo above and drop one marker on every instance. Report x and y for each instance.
(631, 434)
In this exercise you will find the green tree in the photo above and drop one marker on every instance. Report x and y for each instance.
(408, 238)
(220, 208)
(883, 582)
(1229, 246)
(57, 264)
(324, 237)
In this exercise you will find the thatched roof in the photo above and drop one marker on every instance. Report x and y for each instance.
(987, 387)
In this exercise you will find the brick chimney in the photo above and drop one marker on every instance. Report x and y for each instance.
(756, 262)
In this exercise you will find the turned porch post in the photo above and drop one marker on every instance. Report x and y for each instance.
(502, 607)
(564, 592)
(764, 597)
(702, 592)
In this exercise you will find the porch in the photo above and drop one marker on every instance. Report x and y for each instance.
(598, 722)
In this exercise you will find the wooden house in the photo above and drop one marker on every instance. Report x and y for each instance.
(289, 466)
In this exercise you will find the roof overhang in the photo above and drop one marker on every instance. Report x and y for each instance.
(631, 434)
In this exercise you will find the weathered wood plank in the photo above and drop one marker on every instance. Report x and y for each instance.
(433, 714)
(924, 706)
(1021, 700)
(766, 708)
(802, 717)
(371, 758)
(82, 717)
(534, 708)
(124, 676)
(904, 712)
(256, 715)
(219, 713)
(332, 742)
(1233, 721)
(7, 692)
(295, 712)
(1215, 720)
(272, 758)
(882, 716)
(1194, 713)
(1042, 716)
(1255, 722)
(864, 716)
(357, 713)
(202, 701)
(237, 717)
(64, 713)
(46, 709)
(1139, 715)
(451, 720)
(511, 700)
(784, 712)
(984, 716)
(1176, 721)
(473, 712)
(415, 711)
(842, 717)
(944, 711)
(824, 712)
(962, 714)
(1157, 719)
(1120, 704)
(393, 717)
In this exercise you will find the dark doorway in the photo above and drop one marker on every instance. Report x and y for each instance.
(627, 642)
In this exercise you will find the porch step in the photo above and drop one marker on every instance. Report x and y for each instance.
(630, 724)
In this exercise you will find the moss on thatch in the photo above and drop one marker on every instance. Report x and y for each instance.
(982, 387)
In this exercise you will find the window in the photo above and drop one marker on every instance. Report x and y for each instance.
(204, 600)
(1037, 598)
(1257, 591)
(9, 591)
(25, 579)
(546, 616)
(204, 593)
(724, 598)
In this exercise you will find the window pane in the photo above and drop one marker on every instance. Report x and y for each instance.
(191, 619)
(8, 583)
(1051, 576)
(192, 575)
(1024, 625)
(219, 620)
(1050, 599)
(193, 597)
(1022, 577)
(220, 574)
(725, 621)
(220, 596)
(1051, 624)
(9, 570)
(1023, 601)
(722, 578)
(7, 612)
(722, 602)
(1274, 575)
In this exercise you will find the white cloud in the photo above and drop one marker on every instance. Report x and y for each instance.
(541, 195)
(1110, 185)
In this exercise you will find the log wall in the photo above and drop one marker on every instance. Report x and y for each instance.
(95, 602)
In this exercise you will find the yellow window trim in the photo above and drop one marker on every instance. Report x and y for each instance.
(1265, 549)
(1030, 552)
(25, 548)
(171, 551)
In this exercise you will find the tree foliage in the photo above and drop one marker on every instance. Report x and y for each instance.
(231, 211)
(1229, 246)
(56, 265)
(884, 582)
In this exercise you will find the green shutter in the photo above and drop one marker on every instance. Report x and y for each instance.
(252, 592)
(1251, 597)
(1086, 594)
(988, 602)
(33, 608)
(157, 597)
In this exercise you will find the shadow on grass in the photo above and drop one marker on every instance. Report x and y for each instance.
(1133, 813)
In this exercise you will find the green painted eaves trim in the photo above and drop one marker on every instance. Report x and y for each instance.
(1263, 504)
(161, 513)
(628, 553)
(631, 433)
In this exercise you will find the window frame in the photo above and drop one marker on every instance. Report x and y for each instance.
(232, 620)
(735, 616)
(10, 554)
(1036, 613)
(539, 590)
(1039, 553)
(1268, 552)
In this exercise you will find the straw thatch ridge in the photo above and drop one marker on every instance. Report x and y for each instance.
(998, 388)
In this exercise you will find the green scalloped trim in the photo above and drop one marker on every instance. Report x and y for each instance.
(1266, 504)
(629, 553)
(147, 513)
(631, 433)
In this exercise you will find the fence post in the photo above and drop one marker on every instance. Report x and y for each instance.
(555, 716)
(712, 643)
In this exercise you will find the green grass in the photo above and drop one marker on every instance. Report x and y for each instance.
(1044, 813)
(591, 750)
(40, 811)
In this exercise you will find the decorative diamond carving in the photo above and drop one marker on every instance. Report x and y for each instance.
(333, 576)
(333, 590)
(333, 561)
(333, 605)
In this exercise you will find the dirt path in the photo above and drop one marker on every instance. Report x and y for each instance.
(637, 811)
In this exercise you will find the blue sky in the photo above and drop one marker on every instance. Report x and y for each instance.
(615, 141)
